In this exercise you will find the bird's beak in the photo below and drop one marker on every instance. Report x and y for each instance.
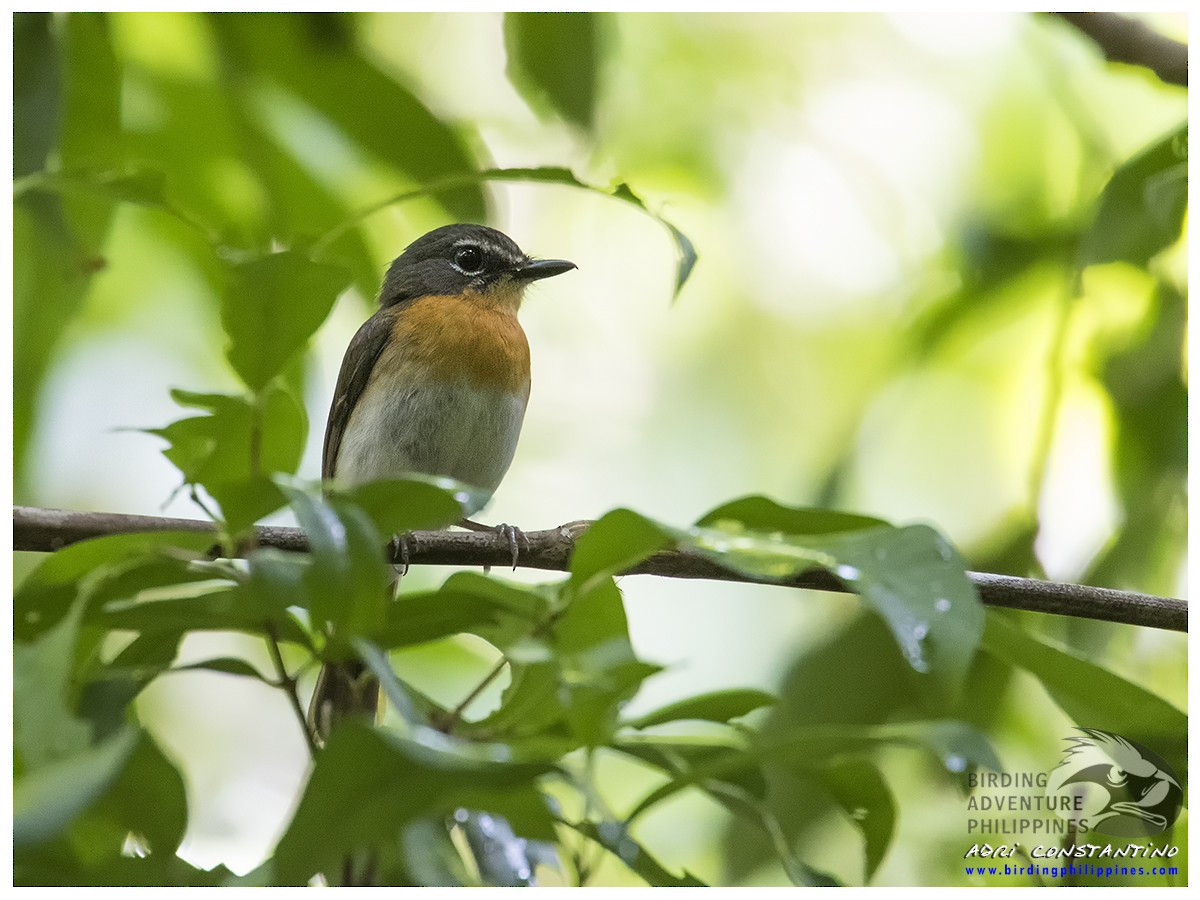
(536, 269)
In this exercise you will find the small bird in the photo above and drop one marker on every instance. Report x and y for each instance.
(435, 382)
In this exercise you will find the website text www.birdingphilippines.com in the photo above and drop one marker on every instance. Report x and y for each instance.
(1076, 870)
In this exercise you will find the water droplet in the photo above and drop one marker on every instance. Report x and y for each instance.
(461, 816)
(858, 814)
(955, 762)
(847, 573)
(945, 552)
(912, 644)
(942, 605)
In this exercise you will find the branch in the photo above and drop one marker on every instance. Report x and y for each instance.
(1125, 40)
(52, 529)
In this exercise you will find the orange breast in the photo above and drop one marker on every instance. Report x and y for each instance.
(458, 337)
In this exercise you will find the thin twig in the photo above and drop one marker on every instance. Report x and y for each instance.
(1125, 40)
(52, 529)
(451, 718)
(288, 684)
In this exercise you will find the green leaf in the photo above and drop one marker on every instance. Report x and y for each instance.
(910, 576)
(957, 746)
(412, 504)
(1142, 208)
(553, 60)
(599, 668)
(501, 612)
(47, 799)
(245, 502)
(347, 583)
(716, 706)
(45, 728)
(614, 542)
(227, 665)
(123, 559)
(272, 306)
(763, 514)
(230, 609)
(532, 705)
(372, 783)
(614, 837)
(1092, 695)
(145, 803)
(859, 789)
(237, 443)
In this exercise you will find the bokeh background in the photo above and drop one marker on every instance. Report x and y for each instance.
(887, 316)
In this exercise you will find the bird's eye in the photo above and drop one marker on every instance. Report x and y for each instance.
(469, 260)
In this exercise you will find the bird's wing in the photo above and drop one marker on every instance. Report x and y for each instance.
(365, 348)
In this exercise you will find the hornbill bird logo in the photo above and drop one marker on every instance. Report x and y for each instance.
(1117, 787)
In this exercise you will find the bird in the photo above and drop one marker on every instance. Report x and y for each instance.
(435, 382)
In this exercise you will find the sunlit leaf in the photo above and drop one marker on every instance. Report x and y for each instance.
(910, 576)
(616, 541)
(411, 504)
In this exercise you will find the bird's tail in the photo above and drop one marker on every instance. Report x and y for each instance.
(344, 690)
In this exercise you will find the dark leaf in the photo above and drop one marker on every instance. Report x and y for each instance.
(47, 799)
(763, 514)
(45, 728)
(228, 665)
(859, 788)
(1142, 207)
(716, 706)
(322, 66)
(553, 59)
(371, 784)
(1092, 695)
(467, 602)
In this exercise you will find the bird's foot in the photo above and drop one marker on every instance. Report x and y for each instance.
(399, 548)
(512, 533)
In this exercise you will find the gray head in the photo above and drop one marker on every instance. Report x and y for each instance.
(456, 259)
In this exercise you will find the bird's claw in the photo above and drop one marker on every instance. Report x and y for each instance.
(513, 534)
(399, 546)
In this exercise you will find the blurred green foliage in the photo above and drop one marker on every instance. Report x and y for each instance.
(261, 151)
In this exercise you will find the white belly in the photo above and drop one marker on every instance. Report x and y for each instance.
(455, 429)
